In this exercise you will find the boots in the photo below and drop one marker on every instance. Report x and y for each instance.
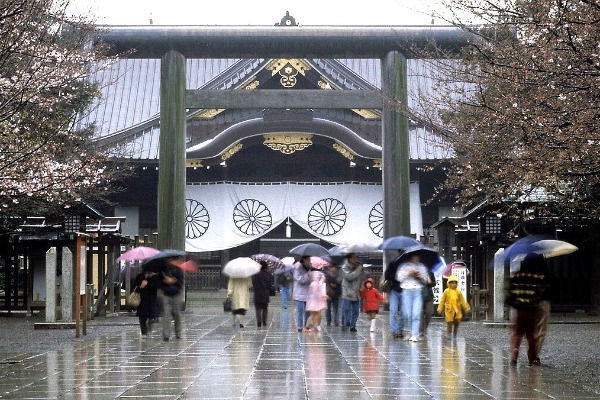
(373, 325)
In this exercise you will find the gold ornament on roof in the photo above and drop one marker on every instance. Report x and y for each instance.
(287, 143)
(377, 163)
(343, 150)
(231, 150)
(252, 85)
(193, 163)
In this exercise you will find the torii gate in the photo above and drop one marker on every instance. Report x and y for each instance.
(392, 45)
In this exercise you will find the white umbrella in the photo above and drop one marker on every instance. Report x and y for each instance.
(361, 247)
(241, 267)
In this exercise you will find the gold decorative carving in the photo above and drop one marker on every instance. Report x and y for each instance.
(377, 163)
(278, 64)
(367, 114)
(193, 163)
(231, 150)
(287, 143)
(252, 85)
(207, 113)
(324, 84)
(343, 150)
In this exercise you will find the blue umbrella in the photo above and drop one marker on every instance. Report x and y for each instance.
(544, 245)
(398, 243)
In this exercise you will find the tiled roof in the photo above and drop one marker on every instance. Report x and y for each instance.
(127, 114)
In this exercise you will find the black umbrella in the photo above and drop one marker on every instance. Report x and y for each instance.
(310, 249)
(158, 262)
(429, 257)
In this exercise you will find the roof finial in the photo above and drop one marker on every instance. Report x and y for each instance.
(288, 20)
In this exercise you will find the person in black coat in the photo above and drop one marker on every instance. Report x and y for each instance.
(146, 283)
(262, 283)
(171, 283)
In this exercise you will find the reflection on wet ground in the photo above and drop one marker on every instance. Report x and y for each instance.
(217, 360)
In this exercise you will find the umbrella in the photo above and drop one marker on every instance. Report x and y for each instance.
(157, 262)
(537, 244)
(189, 265)
(241, 267)
(138, 254)
(288, 261)
(454, 264)
(440, 267)
(272, 261)
(429, 257)
(318, 262)
(398, 243)
(310, 249)
(286, 268)
(360, 247)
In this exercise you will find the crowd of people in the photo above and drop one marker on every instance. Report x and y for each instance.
(407, 284)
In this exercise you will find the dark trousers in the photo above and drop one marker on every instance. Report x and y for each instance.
(145, 325)
(261, 313)
(332, 313)
(524, 324)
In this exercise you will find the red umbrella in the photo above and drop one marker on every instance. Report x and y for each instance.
(189, 265)
(138, 254)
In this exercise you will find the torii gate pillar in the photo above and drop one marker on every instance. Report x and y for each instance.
(171, 174)
(395, 146)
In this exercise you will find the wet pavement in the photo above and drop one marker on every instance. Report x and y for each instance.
(215, 359)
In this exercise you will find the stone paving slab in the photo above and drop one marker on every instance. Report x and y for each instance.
(217, 360)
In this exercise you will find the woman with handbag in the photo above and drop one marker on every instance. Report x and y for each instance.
(146, 283)
(238, 290)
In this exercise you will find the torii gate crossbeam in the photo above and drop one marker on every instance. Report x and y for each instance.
(393, 45)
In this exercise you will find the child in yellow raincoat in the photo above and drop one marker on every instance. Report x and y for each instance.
(453, 304)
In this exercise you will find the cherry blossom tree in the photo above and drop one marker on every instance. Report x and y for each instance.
(521, 107)
(47, 161)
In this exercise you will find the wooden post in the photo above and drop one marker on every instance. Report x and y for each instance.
(171, 176)
(395, 148)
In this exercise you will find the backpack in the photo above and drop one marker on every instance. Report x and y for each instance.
(284, 279)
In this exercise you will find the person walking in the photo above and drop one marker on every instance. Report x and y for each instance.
(525, 292)
(351, 280)
(371, 299)
(452, 304)
(541, 325)
(333, 282)
(262, 283)
(238, 290)
(284, 279)
(146, 283)
(412, 275)
(316, 299)
(171, 284)
(427, 293)
(300, 292)
(396, 318)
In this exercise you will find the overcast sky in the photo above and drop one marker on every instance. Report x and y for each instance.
(257, 12)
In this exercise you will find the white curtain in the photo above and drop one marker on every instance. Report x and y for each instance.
(225, 214)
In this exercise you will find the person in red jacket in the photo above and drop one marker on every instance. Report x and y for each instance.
(371, 299)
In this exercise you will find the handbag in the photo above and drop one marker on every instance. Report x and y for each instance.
(386, 286)
(134, 298)
(227, 305)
